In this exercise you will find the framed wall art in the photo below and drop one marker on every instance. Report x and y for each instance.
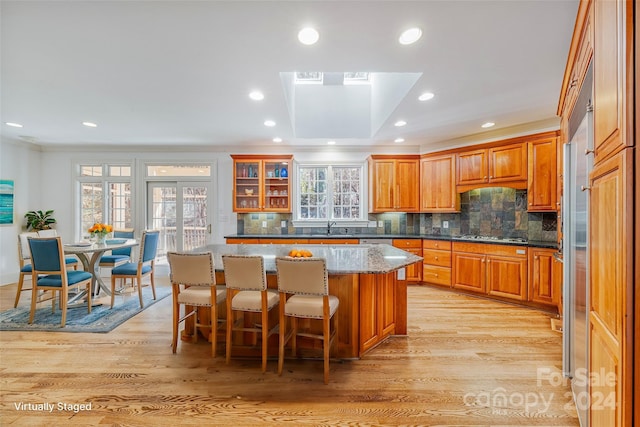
(6, 202)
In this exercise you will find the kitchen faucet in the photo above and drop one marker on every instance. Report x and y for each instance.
(329, 225)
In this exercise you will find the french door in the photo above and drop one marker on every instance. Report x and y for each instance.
(181, 211)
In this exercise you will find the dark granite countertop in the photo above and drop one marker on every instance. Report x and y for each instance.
(530, 243)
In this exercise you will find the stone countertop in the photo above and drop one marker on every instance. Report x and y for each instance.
(341, 259)
(530, 243)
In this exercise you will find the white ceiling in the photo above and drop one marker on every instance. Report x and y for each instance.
(179, 72)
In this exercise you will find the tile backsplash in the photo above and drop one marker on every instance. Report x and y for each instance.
(497, 211)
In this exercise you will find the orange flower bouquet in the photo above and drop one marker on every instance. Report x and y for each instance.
(100, 231)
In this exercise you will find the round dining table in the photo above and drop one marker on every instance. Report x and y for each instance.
(89, 254)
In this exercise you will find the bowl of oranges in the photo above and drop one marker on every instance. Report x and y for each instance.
(300, 253)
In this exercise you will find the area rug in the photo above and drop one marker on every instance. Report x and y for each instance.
(101, 319)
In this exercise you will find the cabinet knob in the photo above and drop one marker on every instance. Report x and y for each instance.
(491, 177)
(535, 257)
(436, 245)
(583, 188)
(484, 177)
(436, 258)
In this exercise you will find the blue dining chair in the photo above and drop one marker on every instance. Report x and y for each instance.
(138, 270)
(71, 261)
(49, 273)
(24, 256)
(118, 256)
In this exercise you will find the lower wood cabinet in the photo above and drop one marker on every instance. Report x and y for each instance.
(496, 270)
(414, 246)
(545, 277)
(436, 264)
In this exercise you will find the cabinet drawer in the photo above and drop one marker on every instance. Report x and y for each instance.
(488, 249)
(436, 244)
(436, 275)
(437, 257)
(407, 243)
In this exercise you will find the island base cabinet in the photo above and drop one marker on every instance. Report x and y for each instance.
(372, 307)
(377, 309)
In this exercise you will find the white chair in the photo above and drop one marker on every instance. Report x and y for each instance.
(306, 281)
(193, 280)
(247, 291)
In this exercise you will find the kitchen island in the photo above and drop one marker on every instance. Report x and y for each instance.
(368, 280)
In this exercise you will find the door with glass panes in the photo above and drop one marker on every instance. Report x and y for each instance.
(181, 212)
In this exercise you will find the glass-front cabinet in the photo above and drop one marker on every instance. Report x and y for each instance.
(261, 183)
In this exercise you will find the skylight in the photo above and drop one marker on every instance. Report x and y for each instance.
(308, 77)
(358, 77)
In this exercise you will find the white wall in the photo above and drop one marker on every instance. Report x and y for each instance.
(45, 180)
(20, 162)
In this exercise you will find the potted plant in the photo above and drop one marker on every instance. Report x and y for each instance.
(38, 220)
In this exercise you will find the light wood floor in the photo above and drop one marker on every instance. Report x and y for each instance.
(465, 362)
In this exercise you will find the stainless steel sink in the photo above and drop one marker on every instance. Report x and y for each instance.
(331, 236)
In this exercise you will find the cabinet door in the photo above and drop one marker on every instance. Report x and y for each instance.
(276, 187)
(414, 271)
(469, 272)
(609, 86)
(507, 277)
(508, 163)
(541, 185)
(406, 184)
(541, 276)
(472, 167)
(377, 308)
(438, 185)
(610, 285)
(381, 185)
(246, 188)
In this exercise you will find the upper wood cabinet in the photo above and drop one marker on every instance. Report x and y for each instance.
(612, 42)
(261, 183)
(393, 183)
(494, 166)
(438, 184)
(541, 191)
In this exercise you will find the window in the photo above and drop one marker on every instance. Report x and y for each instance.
(105, 195)
(330, 193)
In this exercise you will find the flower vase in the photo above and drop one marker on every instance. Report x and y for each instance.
(101, 239)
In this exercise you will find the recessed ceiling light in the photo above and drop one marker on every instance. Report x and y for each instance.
(400, 123)
(331, 142)
(488, 125)
(308, 36)
(269, 123)
(90, 124)
(256, 95)
(277, 139)
(398, 140)
(15, 125)
(410, 36)
(426, 96)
